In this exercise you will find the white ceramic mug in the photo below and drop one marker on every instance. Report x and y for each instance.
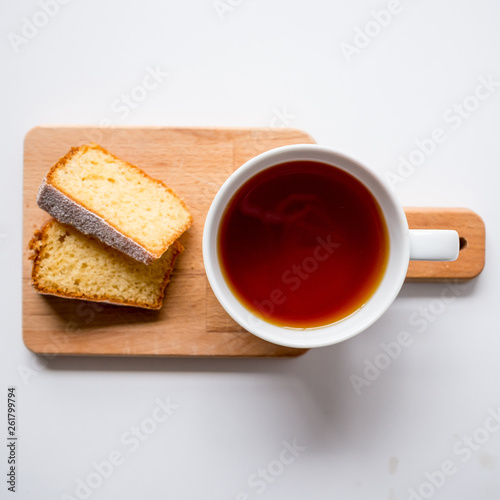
(404, 245)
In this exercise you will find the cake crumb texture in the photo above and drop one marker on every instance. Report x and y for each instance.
(137, 206)
(70, 264)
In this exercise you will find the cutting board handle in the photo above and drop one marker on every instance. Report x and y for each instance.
(471, 233)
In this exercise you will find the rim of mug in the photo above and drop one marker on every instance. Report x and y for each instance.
(358, 321)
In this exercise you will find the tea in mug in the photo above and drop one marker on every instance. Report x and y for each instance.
(303, 244)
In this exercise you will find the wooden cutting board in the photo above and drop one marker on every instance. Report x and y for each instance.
(195, 163)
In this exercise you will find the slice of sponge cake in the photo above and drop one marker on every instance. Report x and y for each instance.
(70, 264)
(118, 203)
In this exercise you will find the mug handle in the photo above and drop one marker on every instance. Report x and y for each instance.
(434, 244)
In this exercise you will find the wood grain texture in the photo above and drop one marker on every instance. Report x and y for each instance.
(471, 230)
(195, 163)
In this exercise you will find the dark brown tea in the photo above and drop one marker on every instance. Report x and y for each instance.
(303, 244)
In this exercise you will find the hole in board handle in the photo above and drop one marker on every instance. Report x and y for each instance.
(463, 242)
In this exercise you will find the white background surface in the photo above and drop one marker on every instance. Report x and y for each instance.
(259, 60)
